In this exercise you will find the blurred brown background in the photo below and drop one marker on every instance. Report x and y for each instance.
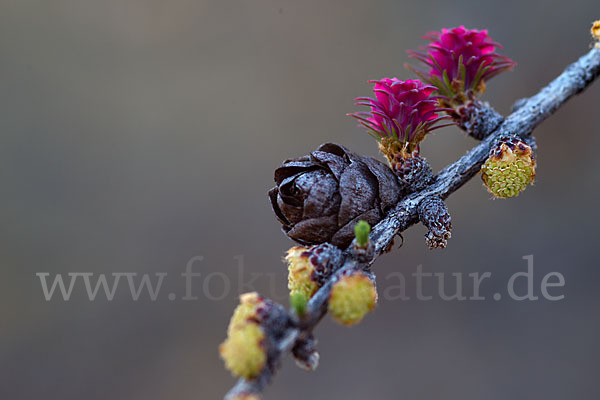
(138, 134)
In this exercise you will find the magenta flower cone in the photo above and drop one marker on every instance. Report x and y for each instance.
(459, 61)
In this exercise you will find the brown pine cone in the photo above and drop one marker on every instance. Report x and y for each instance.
(321, 196)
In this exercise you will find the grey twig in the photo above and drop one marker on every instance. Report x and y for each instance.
(529, 113)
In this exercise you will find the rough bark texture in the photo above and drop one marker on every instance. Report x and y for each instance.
(529, 113)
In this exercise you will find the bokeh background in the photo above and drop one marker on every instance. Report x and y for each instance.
(135, 135)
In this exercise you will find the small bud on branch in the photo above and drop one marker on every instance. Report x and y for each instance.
(361, 232)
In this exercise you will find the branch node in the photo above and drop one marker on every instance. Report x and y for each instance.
(518, 104)
(305, 352)
(434, 214)
(413, 171)
(478, 119)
